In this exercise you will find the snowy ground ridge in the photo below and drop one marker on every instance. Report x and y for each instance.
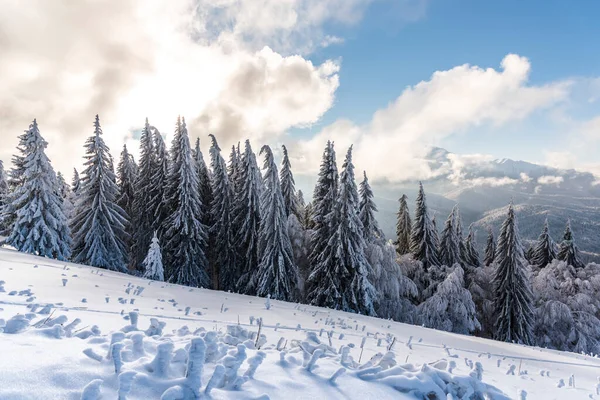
(130, 338)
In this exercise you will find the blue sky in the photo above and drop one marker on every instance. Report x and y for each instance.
(385, 53)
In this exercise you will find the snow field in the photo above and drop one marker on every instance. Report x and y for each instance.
(103, 334)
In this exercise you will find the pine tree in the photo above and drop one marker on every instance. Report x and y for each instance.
(301, 202)
(246, 218)
(422, 242)
(461, 239)
(233, 170)
(277, 274)
(544, 251)
(126, 178)
(15, 179)
(153, 264)
(185, 236)
(288, 186)
(403, 228)
(472, 255)
(224, 262)
(40, 225)
(367, 210)
(142, 215)
(4, 191)
(529, 254)
(512, 291)
(436, 235)
(65, 195)
(490, 248)
(99, 223)
(75, 182)
(449, 250)
(62, 186)
(340, 279)
(307, 217)
(158, 206)
(451, 308)
(323, 203)
(204, 184)
(569, 252)
(16, 173)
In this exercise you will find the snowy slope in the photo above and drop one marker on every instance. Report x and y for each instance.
(47, 361)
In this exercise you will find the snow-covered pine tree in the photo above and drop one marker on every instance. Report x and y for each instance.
(449, 250)
(204, 181)
(529, 254)
(472, 255)
(16, 173)
(40, 226)
(451, 308)
(307, 217)
(62, 186)
(436, 234)
(15, 179)
(490, 248)
(246, 217)
(158, 206)
(340, 279)
(461, 239)
(403, 227)
(233, 170)
(422, 242)
(126, 178)
(367, 210)
(224, 261)
(277, 274)
(569, 252)
(65, 194)
(512, 292)
(142, 215)
(153, 264)
(300, 240)
(99, 223)
(75, 182)
(184, 235)
(545, 249)
(301, 201)
(3, 194)
(324, 200)
(288, 186)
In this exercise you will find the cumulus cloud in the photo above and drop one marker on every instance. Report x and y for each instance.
(226, 65)
(393, 145)
(524, 177)
(550, 180)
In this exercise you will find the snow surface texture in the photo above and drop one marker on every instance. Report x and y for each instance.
(140, 339)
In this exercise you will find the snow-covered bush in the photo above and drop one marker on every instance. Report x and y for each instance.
(451, 308)
(394, 289)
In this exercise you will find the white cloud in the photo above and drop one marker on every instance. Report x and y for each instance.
(550, 180)
(392, 145)
(64, 61)
(488, 181)
(524, 177)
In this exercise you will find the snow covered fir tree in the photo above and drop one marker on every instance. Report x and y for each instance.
(153, 263)
(184, 234)
(234, 226)
(99, 224)
(512, 290)
(35, 208)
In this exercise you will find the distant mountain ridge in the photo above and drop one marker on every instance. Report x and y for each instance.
(484, 188)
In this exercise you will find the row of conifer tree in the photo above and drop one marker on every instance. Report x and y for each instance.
(234, 227)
